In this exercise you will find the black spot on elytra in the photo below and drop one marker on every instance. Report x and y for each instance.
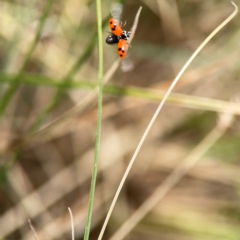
(111, 22)
(122, 50)
(121, 55)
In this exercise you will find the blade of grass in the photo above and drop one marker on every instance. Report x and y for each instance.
(215, 31)
(182, 100)
(176, 99)
(99, 120)
(15, 81)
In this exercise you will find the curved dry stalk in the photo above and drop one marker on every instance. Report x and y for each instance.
(157, 112)
(72, 223)
(135, 24)
(33, 230)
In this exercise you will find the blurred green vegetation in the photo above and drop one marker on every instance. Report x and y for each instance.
(48, 78)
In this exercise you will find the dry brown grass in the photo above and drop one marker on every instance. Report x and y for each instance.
(42, 177)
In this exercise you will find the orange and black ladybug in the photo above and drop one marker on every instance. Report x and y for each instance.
(115, 28)
(114, 39)
(119, 37)
(122, 48)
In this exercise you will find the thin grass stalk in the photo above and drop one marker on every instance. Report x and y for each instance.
(175, 99)
(72, 222)
(33, 230)
(15, 81)
(215, 31)
(99, 118)
(182, 100)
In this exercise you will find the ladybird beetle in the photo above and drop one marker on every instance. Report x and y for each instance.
(118, 35)
(122, 48)
(114, 39)
(115, 28)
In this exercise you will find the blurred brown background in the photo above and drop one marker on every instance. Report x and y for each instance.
(48, 125)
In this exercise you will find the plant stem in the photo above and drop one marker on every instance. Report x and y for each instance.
(99, 117)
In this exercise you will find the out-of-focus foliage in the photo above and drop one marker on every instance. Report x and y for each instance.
(48, 126)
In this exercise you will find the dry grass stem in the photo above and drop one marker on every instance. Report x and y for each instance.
(33, 230)
(72, 223)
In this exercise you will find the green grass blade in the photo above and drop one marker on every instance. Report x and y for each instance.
(136, 92)
(15, 81)
(99, 118)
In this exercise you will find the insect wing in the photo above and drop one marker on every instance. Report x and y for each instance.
(116, 11)
(127, 64)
